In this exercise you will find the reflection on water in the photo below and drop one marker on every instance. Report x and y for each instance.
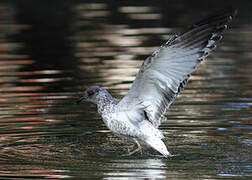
(51, 52)
(147, 168)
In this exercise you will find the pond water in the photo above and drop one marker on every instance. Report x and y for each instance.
(50, 51)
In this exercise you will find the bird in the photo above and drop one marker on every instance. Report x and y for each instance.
(161, 77)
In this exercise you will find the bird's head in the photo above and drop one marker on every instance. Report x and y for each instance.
(92, 94)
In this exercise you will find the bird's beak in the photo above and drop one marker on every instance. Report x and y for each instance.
(80, 99)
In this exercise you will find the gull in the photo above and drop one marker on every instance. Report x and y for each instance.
(162, 76)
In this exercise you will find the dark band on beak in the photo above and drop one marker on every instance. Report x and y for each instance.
(79, 100)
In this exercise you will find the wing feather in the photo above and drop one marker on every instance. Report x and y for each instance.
(166, 72)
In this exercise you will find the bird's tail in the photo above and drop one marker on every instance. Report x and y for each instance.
(158, 145)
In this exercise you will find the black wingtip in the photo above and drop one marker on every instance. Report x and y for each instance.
(219, 19)
(227, 14)
(231, 9)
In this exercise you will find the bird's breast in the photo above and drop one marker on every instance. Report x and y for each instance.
(119, 123)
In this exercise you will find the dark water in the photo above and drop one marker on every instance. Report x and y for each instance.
(50, 51)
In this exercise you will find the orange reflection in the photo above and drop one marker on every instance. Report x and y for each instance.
(136, 9)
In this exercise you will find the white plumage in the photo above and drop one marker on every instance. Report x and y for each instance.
(161, 77)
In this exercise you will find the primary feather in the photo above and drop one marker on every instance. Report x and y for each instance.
(166, 72)
(161, 77)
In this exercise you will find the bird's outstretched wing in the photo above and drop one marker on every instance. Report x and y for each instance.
(165, 73)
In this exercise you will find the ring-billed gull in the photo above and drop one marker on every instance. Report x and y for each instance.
(160, 79)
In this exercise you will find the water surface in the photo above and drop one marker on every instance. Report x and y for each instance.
(51, 51)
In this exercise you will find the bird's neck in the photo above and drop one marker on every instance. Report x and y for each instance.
(106, 104)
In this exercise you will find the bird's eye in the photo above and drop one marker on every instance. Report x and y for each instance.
(90, 93)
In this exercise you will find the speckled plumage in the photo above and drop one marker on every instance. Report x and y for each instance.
(129, 124)
(115, 119)
(160, 79)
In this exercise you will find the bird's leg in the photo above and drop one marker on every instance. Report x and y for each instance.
(138, 148)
